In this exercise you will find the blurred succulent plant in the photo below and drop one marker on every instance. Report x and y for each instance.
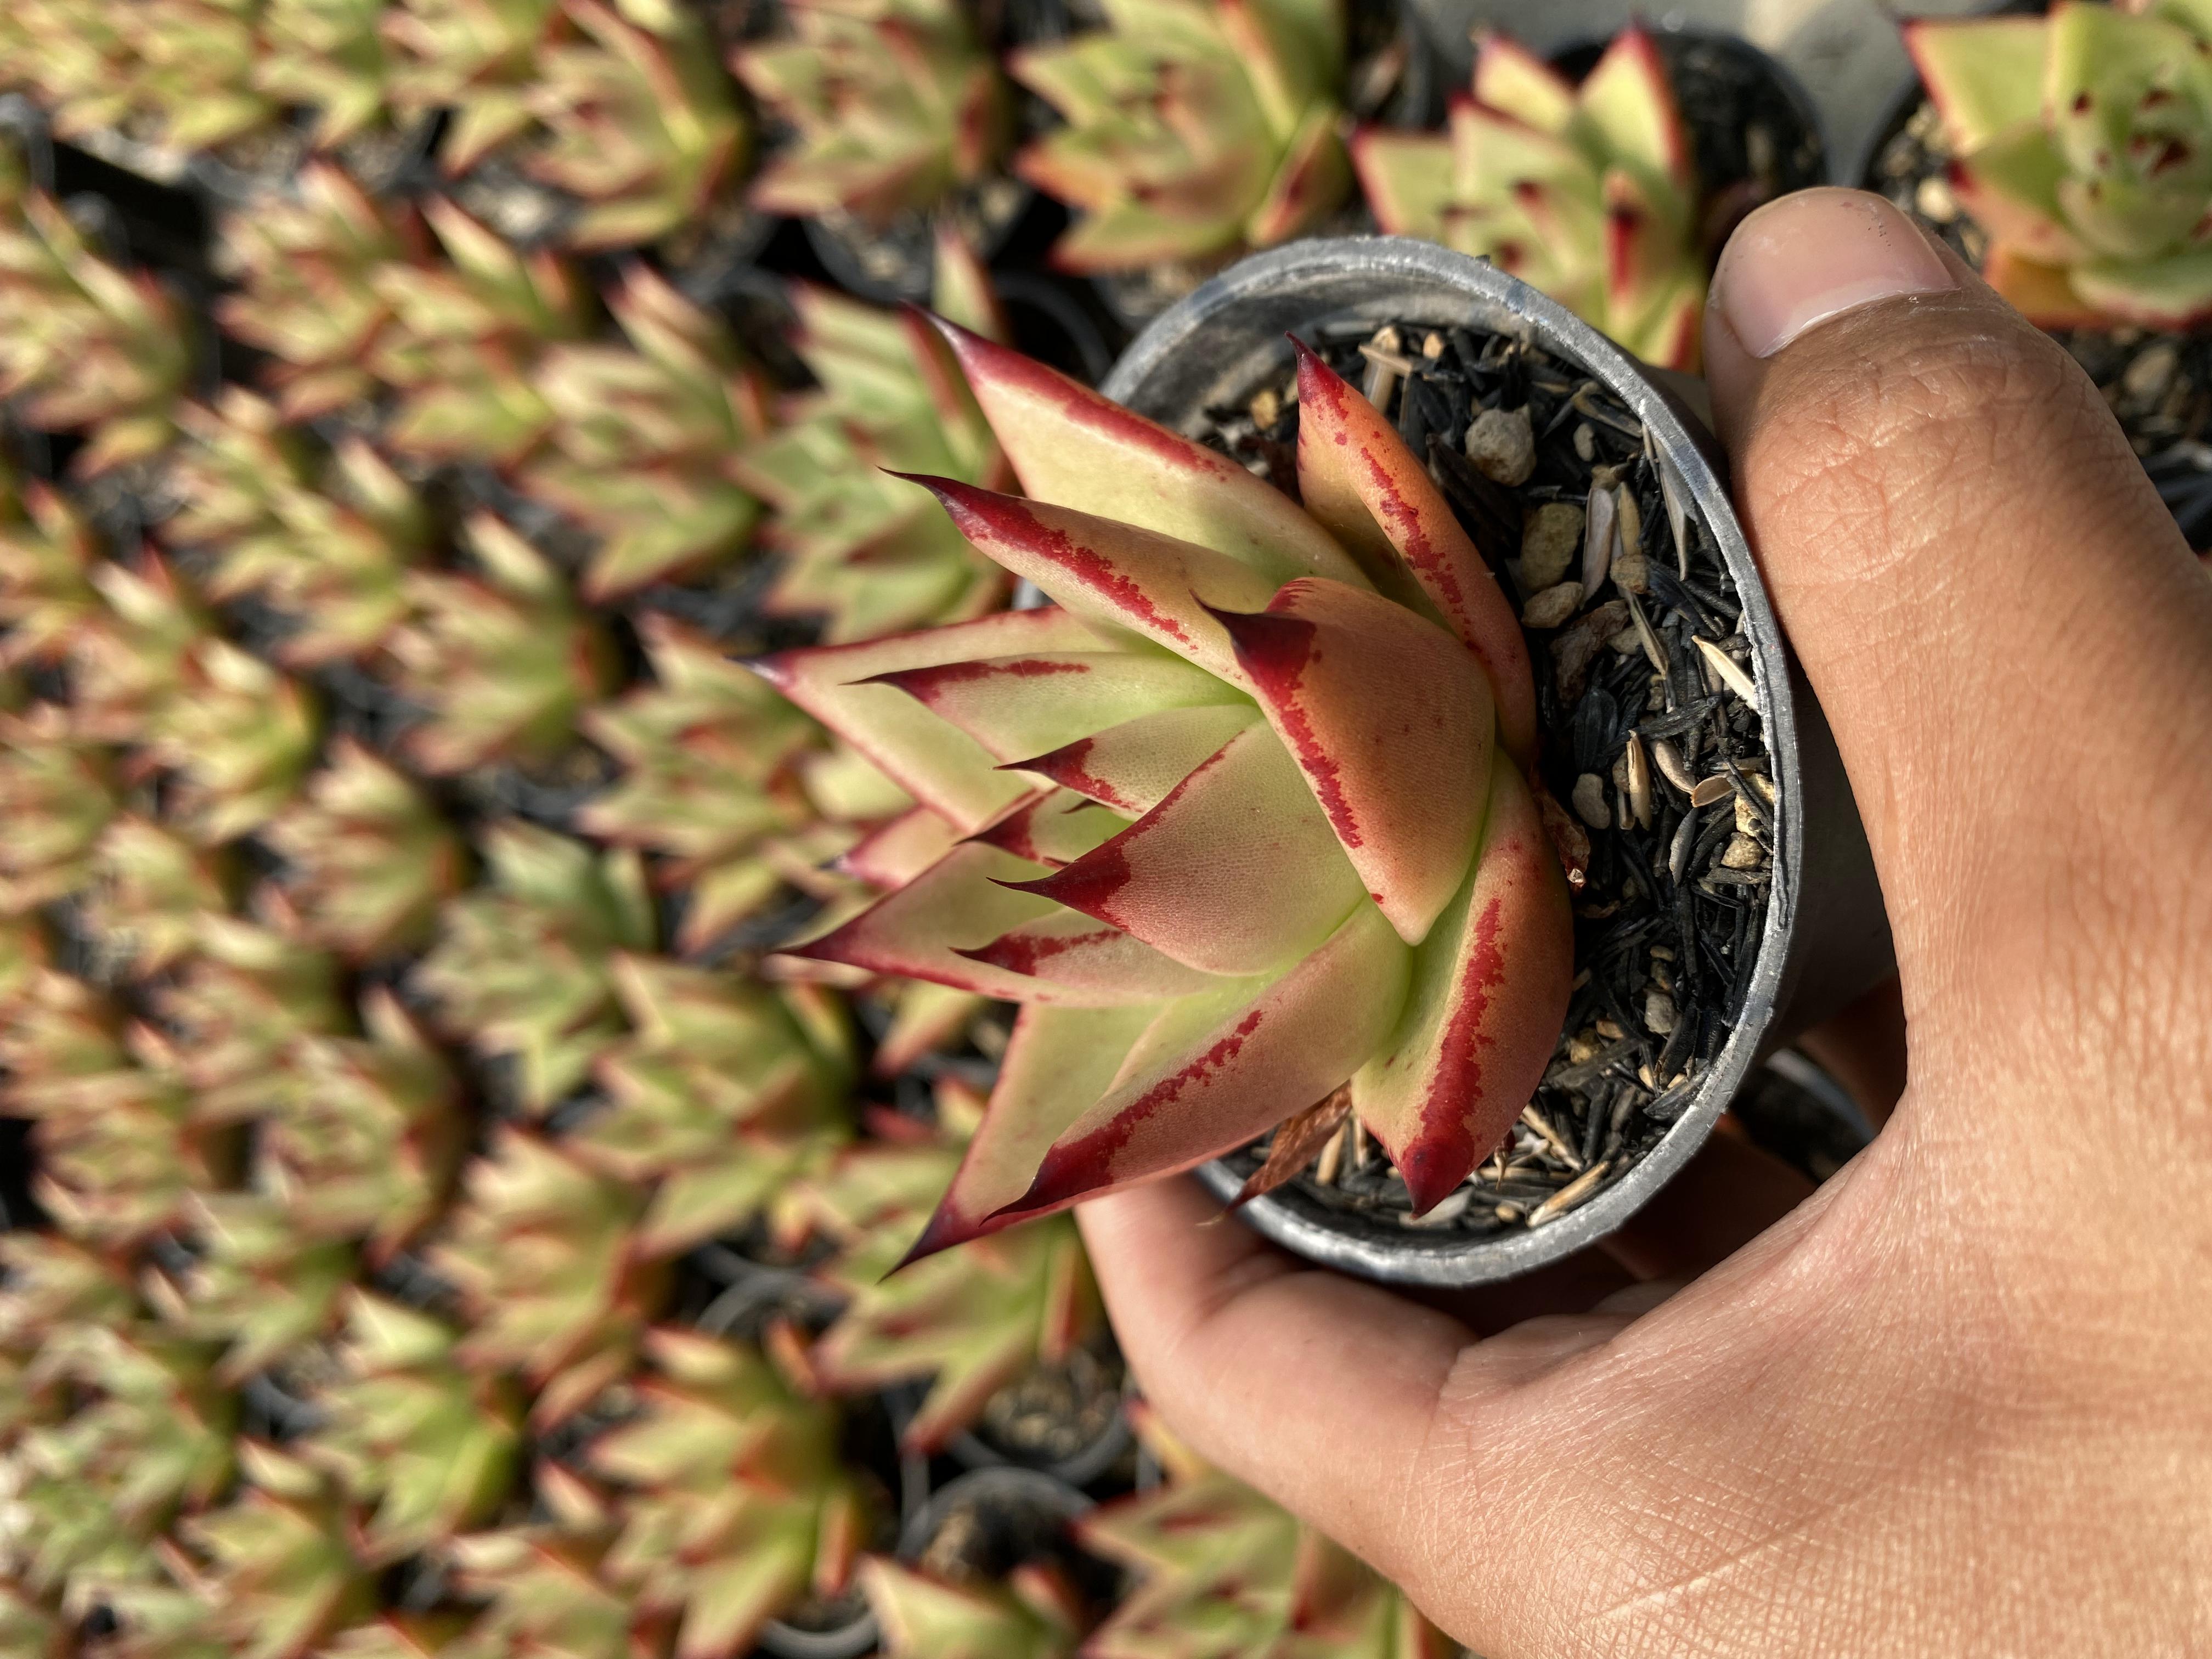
(1193, 129)
(502, 661)
(971, 1322)
(424, 1636)
(151, 889)
(238, 737)
(1223, 1572)
(254, 1286)
(726, 1092)
(47, 551)
(893, 105)
(2083, 146)
(542, 1250)
(862, 547)
(245, 996)
(153, 1618)
(735, 1504)
(192, 70)
(1030, 1616)
(328, 543)
(475, 58)
(544, 1586)
(57, 795)
(85, 346)
(305, 269)
(428, 1446)
(275, 1565)
(32, 1630)
(1588, 193)
(641, 441)
(639, 123)
(525, 968)
(366, 1141)
(1399, 926)
(118, 1151)
(465, 340)
(128, 663)
(150, 1435)
(711, 761)
(368, 859)
(327, 56)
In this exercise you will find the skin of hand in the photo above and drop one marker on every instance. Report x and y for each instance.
(1958, 1401)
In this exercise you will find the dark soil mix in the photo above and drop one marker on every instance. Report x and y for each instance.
(2157, 383)
(1656, 759)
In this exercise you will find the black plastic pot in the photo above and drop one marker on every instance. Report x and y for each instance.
(1825, 936)
(1019, 1510)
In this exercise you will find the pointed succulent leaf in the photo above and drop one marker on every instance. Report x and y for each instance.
(1985, 77)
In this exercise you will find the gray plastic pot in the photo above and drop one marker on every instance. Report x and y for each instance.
(1826, 937)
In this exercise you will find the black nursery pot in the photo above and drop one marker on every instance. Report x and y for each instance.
(1825, 936)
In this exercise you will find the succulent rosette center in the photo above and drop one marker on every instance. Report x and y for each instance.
(1241, 818)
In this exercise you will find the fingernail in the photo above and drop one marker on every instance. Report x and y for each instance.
(1805, 259)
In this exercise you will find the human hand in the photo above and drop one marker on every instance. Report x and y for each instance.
(1959, 1401)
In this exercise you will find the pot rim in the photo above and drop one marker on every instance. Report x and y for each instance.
(1466, 290)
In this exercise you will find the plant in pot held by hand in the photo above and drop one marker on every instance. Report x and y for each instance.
(1246, 815)
(896, 113)
(1586, 192)
(1194, 131)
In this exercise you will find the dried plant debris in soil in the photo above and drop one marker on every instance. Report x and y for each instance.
(1653, 748)
(2159, 385)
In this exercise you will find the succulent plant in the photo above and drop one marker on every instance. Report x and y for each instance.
(150, 891)
(864, 549)
(735, 1504)
(118, 1151)
(542, 1250)
(192, 65)
(711, 780)
(922, 1617)
(328, 542)
(368, 860)
(428, 1445)
(368, 1139)
(971, 1322)
(642, 440)
(415, 1636)
(253, 1285)
(1219, 893)
(128, 663)
(58, 793)
(725, 1094)
(305, 269)
(1588, 193)
(639, 122)
(546, 1592)
(1193, 130)
(893, 105)
(238, 737)
(275, 1565)
(31, 1630)
(47, 553)
(475, 57)
(153, 1618)
(246, 997)
(465, 340)
(502, 661)
(85, 346)
(2081, 145)
(526, 967)
(150, 1434)
(328, 56)
(1223, 1572)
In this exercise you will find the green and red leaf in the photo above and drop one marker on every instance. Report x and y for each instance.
(1235, 873)
(1358, 479)
(1489, 992)
(1134, 767)
(1389, 719)
(1024, 705)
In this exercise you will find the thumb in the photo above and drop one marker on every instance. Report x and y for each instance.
(2001, 624)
